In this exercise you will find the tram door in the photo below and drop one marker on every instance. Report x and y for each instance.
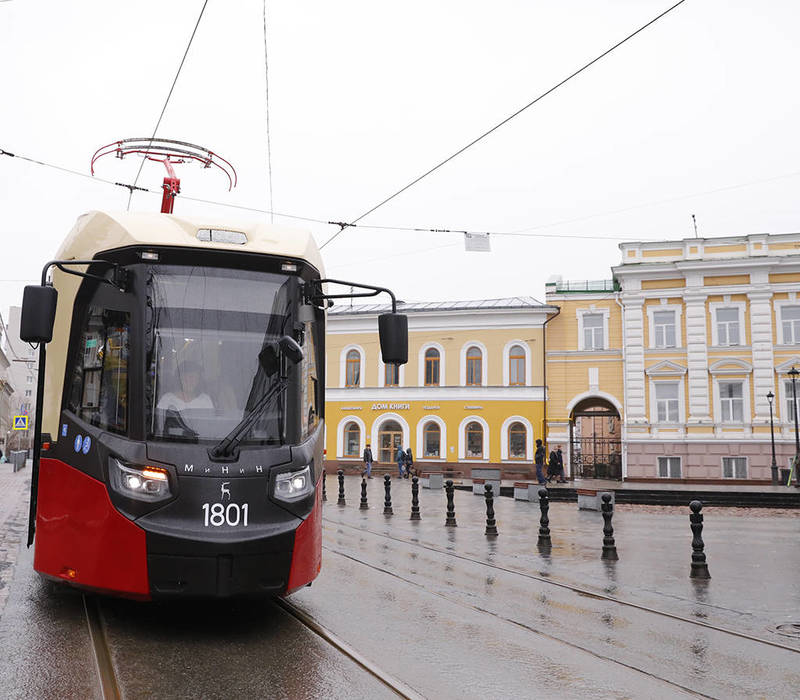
(390, 437)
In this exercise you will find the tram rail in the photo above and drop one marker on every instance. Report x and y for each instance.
(560, 584)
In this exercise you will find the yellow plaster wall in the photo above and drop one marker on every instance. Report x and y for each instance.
(784, 277)
(734, 248)
(663, 284)
(669, 252)
(725, 280)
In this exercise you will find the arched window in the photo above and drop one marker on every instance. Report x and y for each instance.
(352, 440)
(474, 440)
(432, 440)
(353, 369)
(516, 366)
(474, 366)
(390, 437)
(391, 375)
(432, 359)
(517, 441)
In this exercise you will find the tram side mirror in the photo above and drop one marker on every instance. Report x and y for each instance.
(393, 332)
(269, 357)
(38, 314)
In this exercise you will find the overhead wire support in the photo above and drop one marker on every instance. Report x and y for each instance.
(169, 95)
(508, 119)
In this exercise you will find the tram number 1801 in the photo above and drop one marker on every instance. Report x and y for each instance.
(218, 514)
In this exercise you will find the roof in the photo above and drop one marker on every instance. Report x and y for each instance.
(98, 231)
(422, 306)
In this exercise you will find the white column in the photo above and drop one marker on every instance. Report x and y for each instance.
(633, 320)
(697, 357)
(763, 359)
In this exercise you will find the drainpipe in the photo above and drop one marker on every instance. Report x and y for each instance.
(624, 427)
(544, 373)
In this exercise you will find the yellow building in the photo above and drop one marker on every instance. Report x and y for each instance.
(666, 372)
(472, 393)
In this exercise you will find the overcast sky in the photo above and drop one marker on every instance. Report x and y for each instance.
(697, 115)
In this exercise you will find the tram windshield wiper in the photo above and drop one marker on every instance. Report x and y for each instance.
(269, 360)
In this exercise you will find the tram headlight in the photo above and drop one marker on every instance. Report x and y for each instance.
(142, 483)
(292, 486)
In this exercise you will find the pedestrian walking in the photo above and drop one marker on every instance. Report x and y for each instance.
(409, 463)
(538, 459)
(560, 462)
(367, 462)
(400, 458)
(552, 466)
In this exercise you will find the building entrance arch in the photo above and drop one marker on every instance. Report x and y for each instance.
(595, 439)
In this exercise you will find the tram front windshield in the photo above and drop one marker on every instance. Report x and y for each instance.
(205, 329)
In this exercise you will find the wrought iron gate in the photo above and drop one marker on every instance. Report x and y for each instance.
(595, 444)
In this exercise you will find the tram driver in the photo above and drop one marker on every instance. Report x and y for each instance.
(188, 398)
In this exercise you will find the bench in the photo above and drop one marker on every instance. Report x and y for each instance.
(478, 486)
(432, 480)
(526, 491)
(590, 499)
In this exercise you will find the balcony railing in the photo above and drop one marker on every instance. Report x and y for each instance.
(583, 286)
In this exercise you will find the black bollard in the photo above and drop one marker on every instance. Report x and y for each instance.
(609, 547)
(544, 521)
(491, 526)
(451, 506)
(341, 501)
(387, 502)
(699, 566)
(415, 499)
(363, 505)
(324, 492)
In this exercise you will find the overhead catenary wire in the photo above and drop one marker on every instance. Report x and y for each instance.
(503, 122)
(169, 95)
(266, 88)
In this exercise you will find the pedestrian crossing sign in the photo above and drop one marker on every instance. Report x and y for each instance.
(20, 422)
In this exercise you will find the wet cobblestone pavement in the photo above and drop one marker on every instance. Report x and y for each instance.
(14, 490)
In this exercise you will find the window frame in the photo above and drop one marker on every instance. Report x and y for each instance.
(723, 401)
(714, 309)
(477, 364)
(467, 433)
(519, 361)
(345, 432)
(425, 430)
(348, 363)
(393, 369)
(733, 468)
(677, 320)
(524, 432)
(581, 315)
(669, 459)
(434, 362)
(786, 391)
(678, 413)
(780, 306)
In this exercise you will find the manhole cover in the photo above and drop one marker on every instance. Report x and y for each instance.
(788, 629)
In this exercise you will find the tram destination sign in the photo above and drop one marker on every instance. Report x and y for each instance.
(391, 407)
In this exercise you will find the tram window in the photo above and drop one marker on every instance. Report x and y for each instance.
(99, 386)
(310, 380)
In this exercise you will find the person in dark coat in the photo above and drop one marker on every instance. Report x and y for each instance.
(400, 458)
(409, 463)
(538, 459)
(560, 463)
(368, 460)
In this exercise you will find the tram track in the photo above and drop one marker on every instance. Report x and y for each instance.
(109, 687)
(566, 586)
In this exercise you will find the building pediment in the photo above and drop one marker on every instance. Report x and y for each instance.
(784, 367)
(665, 368)
(730, 365)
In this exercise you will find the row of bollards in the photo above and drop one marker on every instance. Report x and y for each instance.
(699, 568)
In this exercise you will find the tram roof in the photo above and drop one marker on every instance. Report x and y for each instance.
(98, 231)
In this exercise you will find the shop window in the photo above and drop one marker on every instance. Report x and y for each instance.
(516, 366)
(353, 369)
(517, 441)
(432, 440)
(432, 363)
(352, 440)
(474, 440)
(669, 467)
(474, 366)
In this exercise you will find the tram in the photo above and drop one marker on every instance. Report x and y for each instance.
(180, 406)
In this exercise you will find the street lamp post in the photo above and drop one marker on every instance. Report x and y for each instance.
(793, 374)
(770, 397)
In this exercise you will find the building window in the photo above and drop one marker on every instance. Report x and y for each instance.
(787, 386)
(664, 327)
(352, 440)
(390, 437)
(790, 322)
(516, 366)
(27, 392)
(353, 369)
(731, 399)
(391, 375)
(432, 440)
(29, 379)
(432, 359)
(667, 398)
(593, 332)
(669, 467)
(474, 366)
(734, 467)
(517, 441)
(728, 332)
(474, 440)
